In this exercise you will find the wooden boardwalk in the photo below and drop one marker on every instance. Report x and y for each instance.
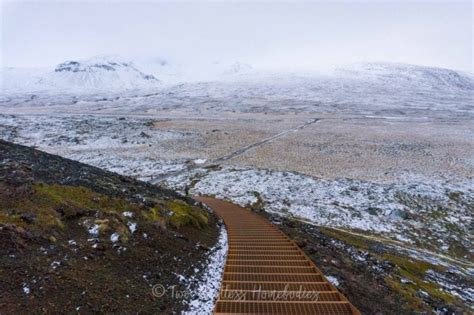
(267, 273)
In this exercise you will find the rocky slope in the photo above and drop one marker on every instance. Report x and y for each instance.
(74, 238)
(377, 279)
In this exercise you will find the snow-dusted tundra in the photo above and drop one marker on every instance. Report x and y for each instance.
(143, 120)
(406, 212)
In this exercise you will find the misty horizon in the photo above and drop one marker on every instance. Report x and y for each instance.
(269, 36)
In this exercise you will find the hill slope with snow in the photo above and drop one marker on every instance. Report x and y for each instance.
(405, 74)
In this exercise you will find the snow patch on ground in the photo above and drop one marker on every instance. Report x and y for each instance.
(132, 226)
(208, 289)
(333, 280)
(26, 289)
(94, 230)
(114, 237)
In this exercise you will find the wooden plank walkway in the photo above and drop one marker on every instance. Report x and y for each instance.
(267, 273)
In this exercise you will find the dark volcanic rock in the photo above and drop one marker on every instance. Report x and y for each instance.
(20, 164)
(78, 239)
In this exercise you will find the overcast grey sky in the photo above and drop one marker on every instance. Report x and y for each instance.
(266, 34)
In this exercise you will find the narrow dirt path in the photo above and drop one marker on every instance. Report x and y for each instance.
(267, 273)
(263, 141)
(237, 152)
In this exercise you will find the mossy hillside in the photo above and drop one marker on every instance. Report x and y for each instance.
(50, 206)
(348, 238)
(46, 209)
(414, 272)
(90, 241)
(411, 292)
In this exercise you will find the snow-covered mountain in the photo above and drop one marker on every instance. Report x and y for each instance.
(102, 73)
(110, 73)
(222, 86)
(381, 85)
(406, 74)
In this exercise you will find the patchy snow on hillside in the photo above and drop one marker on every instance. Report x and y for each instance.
(118, 144)
(137, 166)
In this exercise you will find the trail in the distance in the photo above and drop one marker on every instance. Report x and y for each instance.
(266, 140)
(236, 152)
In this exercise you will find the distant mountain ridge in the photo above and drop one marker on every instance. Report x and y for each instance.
(111, 74)
(408, 74)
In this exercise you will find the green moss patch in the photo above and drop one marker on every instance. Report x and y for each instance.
(183, 214)
(348, 238)
(44, 207)
(415, 271)
(47, 209)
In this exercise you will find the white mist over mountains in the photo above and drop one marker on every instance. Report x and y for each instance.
(279, 36)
